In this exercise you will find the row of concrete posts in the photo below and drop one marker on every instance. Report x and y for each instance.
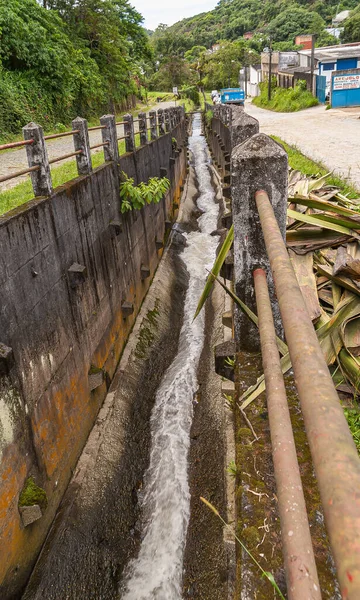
(249, 161)
(150, 127)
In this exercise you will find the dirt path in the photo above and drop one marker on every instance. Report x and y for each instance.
(16, 159)
(328, 136)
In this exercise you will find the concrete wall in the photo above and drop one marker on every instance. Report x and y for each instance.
(61, 326)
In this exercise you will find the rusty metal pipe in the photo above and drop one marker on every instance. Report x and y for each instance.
(16, 144)
(334, 455)
(99, 145)
(300, 568)
(97, 128)
(19, 173)
(54, 136)
(65, 156)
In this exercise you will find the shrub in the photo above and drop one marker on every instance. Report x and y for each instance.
(192, 93)
(286, 100)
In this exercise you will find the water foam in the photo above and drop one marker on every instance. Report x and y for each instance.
(156, 574)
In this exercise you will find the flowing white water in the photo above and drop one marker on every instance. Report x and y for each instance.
(156, 574)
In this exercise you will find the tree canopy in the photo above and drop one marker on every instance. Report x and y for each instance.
(59, 58)
(351, 32)
(190, 41)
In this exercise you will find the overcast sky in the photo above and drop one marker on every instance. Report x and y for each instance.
(170, 11)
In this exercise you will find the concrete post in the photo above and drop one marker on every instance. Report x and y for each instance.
(167, 120)
(161, 119)
(37, 157)
(171, 113)
(129, 133)
(153, 124)
(229, 115)
(82, 142)
(257, 164)
(109, 134)
(143, 129)
(242, 127)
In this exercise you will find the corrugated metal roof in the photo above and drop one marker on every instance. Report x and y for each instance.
(291, 70)
(334, 52)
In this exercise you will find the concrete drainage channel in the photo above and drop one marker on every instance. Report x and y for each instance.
(160, 440)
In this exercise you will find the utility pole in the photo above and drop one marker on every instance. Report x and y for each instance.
(312, 64)
(270, 70)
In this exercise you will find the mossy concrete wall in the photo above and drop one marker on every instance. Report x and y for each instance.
(58, 328)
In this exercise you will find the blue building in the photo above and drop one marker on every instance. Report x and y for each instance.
(344, 88)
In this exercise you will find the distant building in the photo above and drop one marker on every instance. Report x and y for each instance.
(288, 77)
(340, 18)
(248, 35)
(335, 31)
(254, 77)
(335, 58)
(279, 60)
(215, 47)
(304, 40)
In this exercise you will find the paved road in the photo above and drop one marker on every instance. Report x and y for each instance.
(16, 159)
(329, 136)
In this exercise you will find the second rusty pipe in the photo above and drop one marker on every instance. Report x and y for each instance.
(334, 454)
(300, 568)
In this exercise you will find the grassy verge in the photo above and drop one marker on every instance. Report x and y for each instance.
(302, 163)
(282, 100)
(23, 192)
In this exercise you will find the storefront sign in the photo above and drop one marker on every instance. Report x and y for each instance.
(346, 82)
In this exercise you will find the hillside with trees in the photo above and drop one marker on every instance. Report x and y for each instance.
(283, 19)
(60, 58)
(181, 50)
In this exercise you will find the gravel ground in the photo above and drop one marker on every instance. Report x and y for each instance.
(16, 160)
(329, 136)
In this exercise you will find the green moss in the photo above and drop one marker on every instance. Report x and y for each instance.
(94, 370)
(146, 334)
(33, 494)
(243, 433)
(251, 537)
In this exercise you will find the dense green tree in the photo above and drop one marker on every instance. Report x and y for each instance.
(43, 75)
(222, 67)
(60, 58)
(174, 71)
(294, 21)
(351, 32)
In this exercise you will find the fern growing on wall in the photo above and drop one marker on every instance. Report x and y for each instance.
(134, 197)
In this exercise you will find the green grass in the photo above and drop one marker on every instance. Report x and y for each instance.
(353, 418)
(23, 192)
(282, 100)
(300, 162)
